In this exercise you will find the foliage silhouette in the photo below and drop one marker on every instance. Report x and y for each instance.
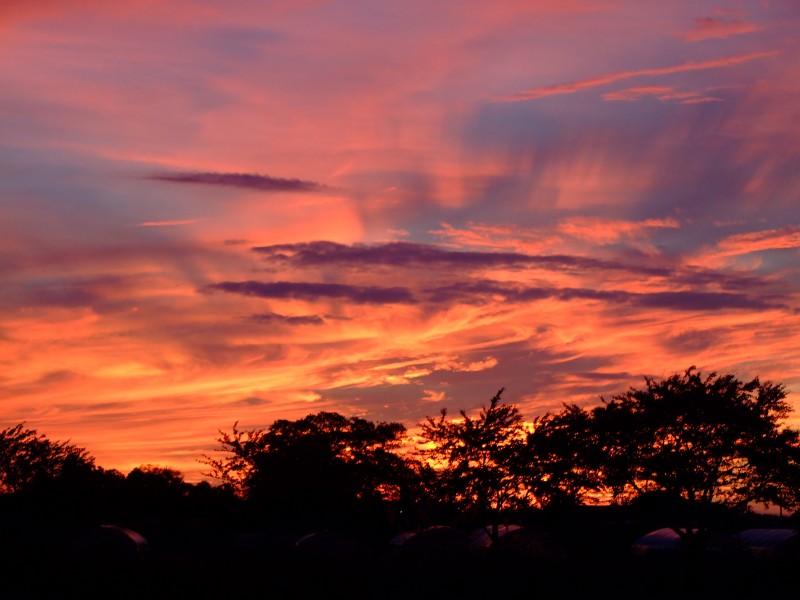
(700, 441)
(477, 460)
(27, 457)
(324, 470)
(690, 451)
(561, 459)
(686, 451)
(236, 468)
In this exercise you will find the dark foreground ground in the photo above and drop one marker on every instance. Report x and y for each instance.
(200, 564)
(377, 579)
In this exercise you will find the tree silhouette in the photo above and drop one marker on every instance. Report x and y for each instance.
(324, 470)
(28, 457)
(477, 459)
(562, 459)
(240, 448)
(154, 490)
(699, 442)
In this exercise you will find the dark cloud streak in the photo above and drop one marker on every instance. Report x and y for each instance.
(417, 255)
(408, 254)
(709, 301)
(317, 291)
(270, 318)
(262, 183)
(480, 292)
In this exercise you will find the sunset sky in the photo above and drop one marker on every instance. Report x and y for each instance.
(249, 210)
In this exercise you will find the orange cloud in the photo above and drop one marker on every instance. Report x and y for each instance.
(455, 364)
(109, 336)
(498, 237)
(756, 241)
(742, 248)
(433, 396)
(578, 86)
(607, 231)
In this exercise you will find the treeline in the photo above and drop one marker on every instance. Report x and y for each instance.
(57, 483)
(693, 447)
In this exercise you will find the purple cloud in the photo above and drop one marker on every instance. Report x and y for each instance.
(68, 292)
(262, 183)
(275, 318)
(316, 291)
(479, 292)
(702, 301)
(408, 254)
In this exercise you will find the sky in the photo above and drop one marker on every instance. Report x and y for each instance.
(219, 212)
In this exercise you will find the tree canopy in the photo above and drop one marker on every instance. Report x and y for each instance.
(683, 448)
(28, 457)
(320, 470)
(476, 458)
(561, 458)
(701, 440)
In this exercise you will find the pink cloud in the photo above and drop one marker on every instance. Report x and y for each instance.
(577, 86)
(20, 10)
(741, 248)
(608, 231)
(771, 239)
(700, 99)
(139, 366)
(167, 223)
(707, 28)
(499, 237)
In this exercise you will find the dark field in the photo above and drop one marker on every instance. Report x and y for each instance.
(191, 561)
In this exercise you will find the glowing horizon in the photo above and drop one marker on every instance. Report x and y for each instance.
(263, 210)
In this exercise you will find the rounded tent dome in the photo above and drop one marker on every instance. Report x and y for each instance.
(108, 543)
(432, 543)
(769, 542)
(665, 539)
(481, 539)
(329, 546)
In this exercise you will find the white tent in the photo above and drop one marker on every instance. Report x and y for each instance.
(436, 542)
(661, 540)
(481, 539)
(769, 542)
(110, 543)
(329, 546)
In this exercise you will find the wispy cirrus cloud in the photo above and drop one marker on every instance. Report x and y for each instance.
(755, 241)
(609, 231)
(482, 235)
(710, 28)
(251, 181)
(578, 86)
